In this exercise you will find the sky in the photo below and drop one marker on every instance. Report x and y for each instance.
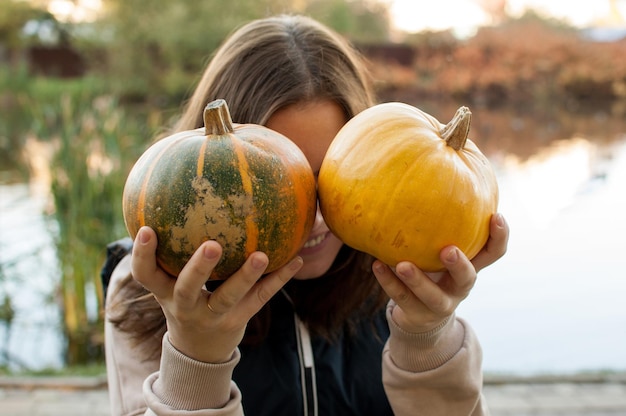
(464, 15)
(75, 10)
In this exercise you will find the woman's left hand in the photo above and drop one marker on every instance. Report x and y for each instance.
(424, 300)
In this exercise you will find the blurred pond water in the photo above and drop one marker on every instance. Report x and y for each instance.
(553, 304)
(30, 270)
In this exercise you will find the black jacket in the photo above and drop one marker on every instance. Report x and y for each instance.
(291, 374)
(344, 378)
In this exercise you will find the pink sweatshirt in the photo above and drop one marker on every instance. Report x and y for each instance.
(433, 373)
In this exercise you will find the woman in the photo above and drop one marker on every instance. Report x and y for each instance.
(334, 332)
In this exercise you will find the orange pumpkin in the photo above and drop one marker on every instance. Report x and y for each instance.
(243, 185)
(399, 185)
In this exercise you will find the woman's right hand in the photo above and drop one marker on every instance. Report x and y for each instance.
(199, 332)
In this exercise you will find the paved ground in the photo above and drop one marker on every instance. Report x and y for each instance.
(588, 395)
(552, 396)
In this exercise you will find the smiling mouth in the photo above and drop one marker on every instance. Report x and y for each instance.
(314, 241)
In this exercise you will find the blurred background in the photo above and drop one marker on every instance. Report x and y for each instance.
(86, 85)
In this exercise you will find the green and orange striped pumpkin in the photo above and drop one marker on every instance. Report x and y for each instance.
(243, 185)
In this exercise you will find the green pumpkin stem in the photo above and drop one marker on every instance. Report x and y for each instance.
(217, 119)
(456, 131)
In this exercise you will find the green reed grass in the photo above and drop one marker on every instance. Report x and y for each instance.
(96, 141)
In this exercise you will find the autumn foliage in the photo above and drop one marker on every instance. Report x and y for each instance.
(524, 60)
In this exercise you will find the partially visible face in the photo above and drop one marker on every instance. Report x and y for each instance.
(312, 126)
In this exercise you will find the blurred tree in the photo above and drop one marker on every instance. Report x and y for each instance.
(14, 39)
(13, 18)
(158, 47)
(364, 22)
(496, 9)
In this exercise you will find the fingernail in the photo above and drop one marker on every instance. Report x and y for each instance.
(296, 263)
(500, 220)
(403, 271)
(143, 236)
(208, 253)
(452, 256)
(259, 263)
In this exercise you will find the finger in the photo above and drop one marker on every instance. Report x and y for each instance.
(236, 286)
(396, 287)
(267, 287)
(424, 288)
(390, 283)
(461, 271)
(496, 244)
(193, 276)
(144, 265)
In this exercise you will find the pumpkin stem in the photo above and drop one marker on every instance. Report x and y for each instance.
(456, 131)
(217, 119)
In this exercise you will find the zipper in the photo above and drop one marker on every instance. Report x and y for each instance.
(307, 366)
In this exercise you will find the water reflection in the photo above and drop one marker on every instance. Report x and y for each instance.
(554, 303)
(33, 340)
(523, 131)
(550, 181)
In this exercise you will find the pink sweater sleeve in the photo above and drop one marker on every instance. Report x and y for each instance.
(199, 388)
(434, 373)
(152, 386)
(127, 362)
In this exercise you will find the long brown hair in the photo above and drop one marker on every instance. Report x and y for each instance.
(264, 66)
